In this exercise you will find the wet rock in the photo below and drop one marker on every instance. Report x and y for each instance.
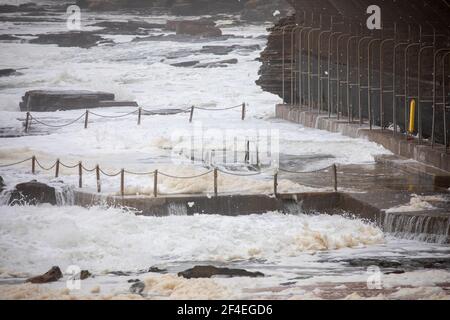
(137, 288)
(84, 274)
(197, 28)
(7, 72)
(43, 100)
(223, 50)
(54, 274)
(120, 273)
(210, 271)
(217, 64)
(71, 39)
(157, 270)
(33, 193)
(186, 63)
(2, 184)
(127, 27)
(133, 280)
(8, 37)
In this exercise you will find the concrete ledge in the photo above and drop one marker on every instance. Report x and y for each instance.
(435, 157)
(369, 206)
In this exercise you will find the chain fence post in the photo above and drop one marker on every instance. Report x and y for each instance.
(27, 122)
(97, 172)
(80, 175)
(155, 184)
(243, 111)
(86, 119)
(122, 182)
(215, 182)
(139, 116)
(192, 114)
(275, 184)
(335, 181)
(57, 168)
(33, 165)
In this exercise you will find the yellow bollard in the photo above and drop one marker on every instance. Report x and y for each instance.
(412, 116)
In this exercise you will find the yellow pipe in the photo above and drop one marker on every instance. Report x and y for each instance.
(412, 116)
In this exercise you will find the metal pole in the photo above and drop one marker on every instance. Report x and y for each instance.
(369, 81)
(444, 101)
(319, 59)
(27, 122)
(382, 81)
(155, 184)
(407, 81)
(215, 182)
(330, 52)
(57, 168)
(33, 165)
(419, 96)
(139, 116)
(359, 78)
(436, 54)
(86, 119)
(349, 108)
(80, 175)
(192, 114)
(339, 76)
(97, 173)
(394, 83)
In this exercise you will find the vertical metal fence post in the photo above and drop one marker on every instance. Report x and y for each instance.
(80, 175)
(155, 184)
(97, 173)
(57, 168)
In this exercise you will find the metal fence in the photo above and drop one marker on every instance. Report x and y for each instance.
(396, 78)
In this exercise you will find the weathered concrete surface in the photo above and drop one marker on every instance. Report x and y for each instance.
(370, 206)
(435, 157)
(52, 100)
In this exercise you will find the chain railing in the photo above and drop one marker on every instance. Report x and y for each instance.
(30, 118)
(99, 172)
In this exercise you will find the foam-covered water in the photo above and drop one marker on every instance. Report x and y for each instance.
(100, 239)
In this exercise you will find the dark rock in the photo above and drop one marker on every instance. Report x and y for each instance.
(184, 38)
(137, 288)
(186, 63)
(120, 273)
(2, 184)
(198, 28)
(54, 274)
(133, 280)
(32, 193)
(217, 64)
(7, 72)
(395, 272)
(223, 50)
(128, 27)
(210, 271)
(157, 270)
(8, 37)
(71, 39)
(42, 100)
(84, 274)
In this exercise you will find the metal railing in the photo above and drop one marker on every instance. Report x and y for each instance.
(56, 166)
(406, 40)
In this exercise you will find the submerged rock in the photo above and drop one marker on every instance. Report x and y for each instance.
(217, 64)
(71, 39)
(54, 274)
(186, 64)
(127, 27)
(8, 37)
(210, 271)
(224, 50)
(32, 193)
